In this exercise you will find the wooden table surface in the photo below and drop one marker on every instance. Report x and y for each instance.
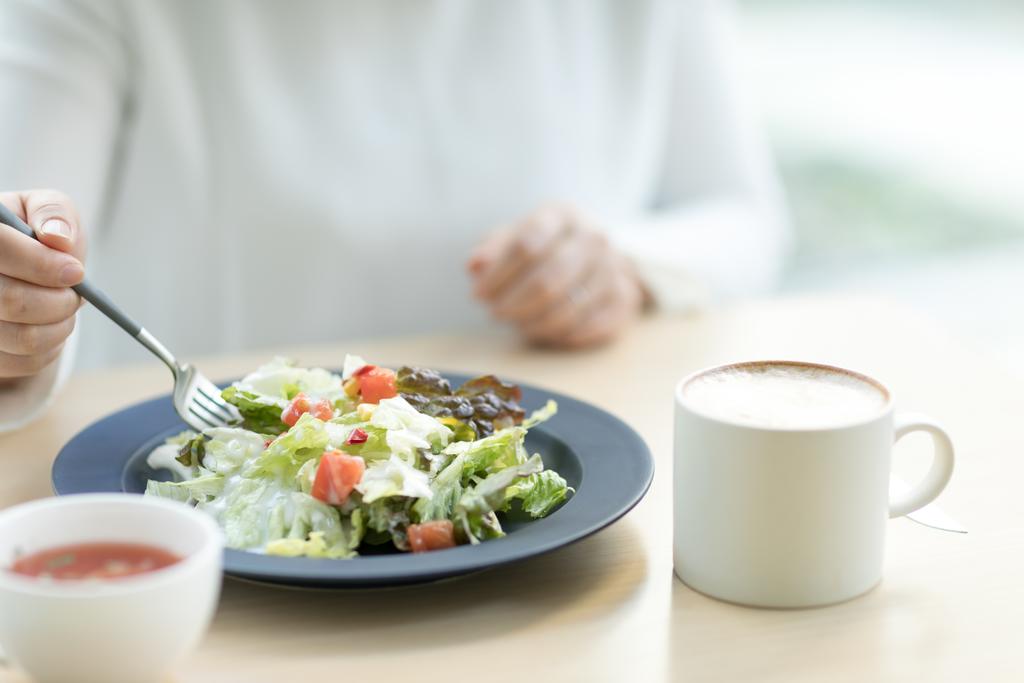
(951, 607)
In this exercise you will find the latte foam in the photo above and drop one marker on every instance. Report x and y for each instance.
(785, 395)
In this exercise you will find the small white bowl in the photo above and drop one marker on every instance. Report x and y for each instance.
(129, 630)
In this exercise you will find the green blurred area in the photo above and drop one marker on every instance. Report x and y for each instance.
(898, 128)
(867, 208)
(845, 213)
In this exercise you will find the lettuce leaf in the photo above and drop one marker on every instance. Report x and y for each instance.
(262, 395)
(386, 514)
(476, 528)
(229, 448)
(408, 431)
(489, 493)
(393, 477)
(169, 490)
(355, 528)
(319, 531)
(312, 515)
(306, 475)
(474, 513)
(200, 489)
(241, 514)
(181, 438)
(494, 452)
(315, 546)
(280, 380)
(286, 454)
(374, 448)
(259, 416)
(441, 504)
(387, 520)
(258, 513)
(541, 415)
(539, 493)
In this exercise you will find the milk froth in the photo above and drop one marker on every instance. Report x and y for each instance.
(785, 395)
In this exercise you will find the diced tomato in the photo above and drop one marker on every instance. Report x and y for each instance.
(431, 535)
(322, 409)
(295, 409)
(336, 477)
(363, 370)
(376, 384)
(356, 437)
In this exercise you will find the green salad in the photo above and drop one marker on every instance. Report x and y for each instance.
(323, 464)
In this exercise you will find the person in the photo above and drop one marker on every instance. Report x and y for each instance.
(259, 174)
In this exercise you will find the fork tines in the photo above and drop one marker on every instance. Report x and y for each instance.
(206, 406)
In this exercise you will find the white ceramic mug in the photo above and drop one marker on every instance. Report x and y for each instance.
(778, 517)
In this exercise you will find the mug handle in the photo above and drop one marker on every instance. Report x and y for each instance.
(942, 463)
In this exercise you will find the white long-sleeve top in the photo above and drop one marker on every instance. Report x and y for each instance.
(257, 173)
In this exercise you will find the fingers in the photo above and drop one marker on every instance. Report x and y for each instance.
(489, 251)
(23, 302)
(551, 280)
(559, 321)
(596, 311)
(12, 365)
(37, 308)
(559, 281)
(501, 260)
(25, 259)
(602, 323)
(602, 326)
(54, 217)
(22, 339)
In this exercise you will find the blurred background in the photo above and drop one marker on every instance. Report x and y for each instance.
(898, 127)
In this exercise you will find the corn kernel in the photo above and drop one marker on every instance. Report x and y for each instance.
(365, 411)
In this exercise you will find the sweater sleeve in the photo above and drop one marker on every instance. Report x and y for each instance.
(63, 75)
(28, 398)
(717, 228)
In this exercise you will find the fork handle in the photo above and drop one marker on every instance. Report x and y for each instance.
(97, 298)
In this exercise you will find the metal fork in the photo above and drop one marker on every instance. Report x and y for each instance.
(197, 399)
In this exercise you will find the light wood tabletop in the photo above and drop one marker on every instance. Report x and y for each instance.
(951, 607)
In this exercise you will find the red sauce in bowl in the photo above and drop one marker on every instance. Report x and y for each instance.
(94, 561)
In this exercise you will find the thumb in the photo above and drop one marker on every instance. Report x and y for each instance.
(54, 217)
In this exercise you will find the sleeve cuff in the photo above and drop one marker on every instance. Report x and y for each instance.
(694, 256)
(671, 287)
(26, 401)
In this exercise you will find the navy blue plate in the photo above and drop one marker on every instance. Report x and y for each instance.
(599, 455)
